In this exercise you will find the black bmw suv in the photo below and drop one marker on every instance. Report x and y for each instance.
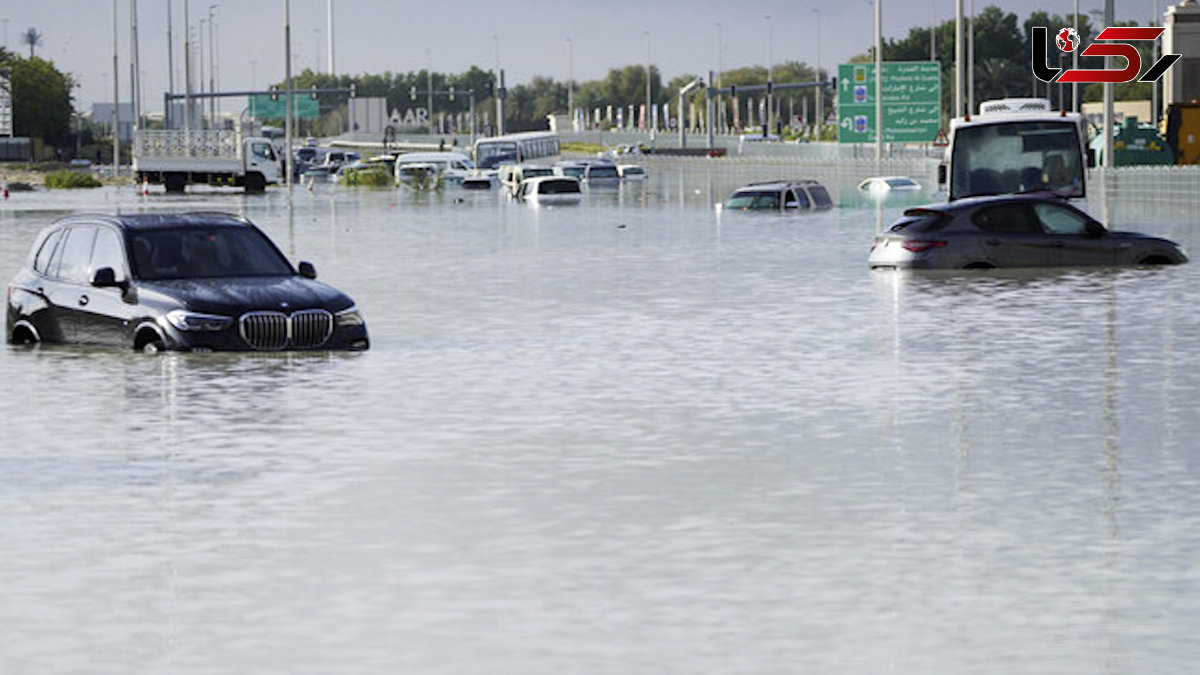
(192, 282)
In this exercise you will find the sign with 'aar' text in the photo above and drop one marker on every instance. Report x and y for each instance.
(912, 95)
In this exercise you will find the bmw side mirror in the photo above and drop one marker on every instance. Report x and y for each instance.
(106, 277)
(307, 270)
(1095, 230)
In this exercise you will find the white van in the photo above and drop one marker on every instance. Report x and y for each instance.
(451, 166)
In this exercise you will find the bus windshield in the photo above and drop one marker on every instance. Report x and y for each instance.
(1013, 157)
(493, 154)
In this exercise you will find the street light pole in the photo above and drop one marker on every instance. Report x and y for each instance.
(429, 85)
(116, 101)
(958, 58)
(200, 60)
(720, 67)
(212, 78)
(971, 62)
(187, 69)
(135, 65)
(879, 81)
(770, 81)
(329, 33)
(1075, 62)
(287, 91)
(820, 113)
(571, 82)
(646, 117)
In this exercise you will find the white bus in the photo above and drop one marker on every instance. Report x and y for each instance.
(538, 147)
(1015, 146)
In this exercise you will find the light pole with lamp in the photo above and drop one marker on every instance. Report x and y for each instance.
(820, 116)
(429, 85)
(720, 67)
(571, 83)
(770, 81)
(200, 61)
(646, 118)
(212, 77)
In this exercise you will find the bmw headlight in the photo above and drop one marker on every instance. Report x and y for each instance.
(349, 317)
(194, 321)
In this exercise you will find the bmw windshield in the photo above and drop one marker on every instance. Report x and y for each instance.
(204, 252)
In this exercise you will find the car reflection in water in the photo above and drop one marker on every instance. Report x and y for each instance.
(1012, 231)
(197, 281)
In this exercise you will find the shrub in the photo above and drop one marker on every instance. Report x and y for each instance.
(371, 176)
(67, 179)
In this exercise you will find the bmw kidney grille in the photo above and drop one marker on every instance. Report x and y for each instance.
(275, 330)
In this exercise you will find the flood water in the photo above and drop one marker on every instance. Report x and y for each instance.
(635, 435)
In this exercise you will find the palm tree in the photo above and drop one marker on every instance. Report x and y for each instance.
(32, 38)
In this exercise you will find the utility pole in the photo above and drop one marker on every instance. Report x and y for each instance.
(187, 69)
(958, 59)
(971, 62)
(170, 56)
(1108, 96)
(116, 101)
(879, 80)
(571, 83)
(287, 76)
(329, 33)
(1075, 62)
(135, 81)
(819, 117)
(646, 118)
(770, 82)
(212, 77)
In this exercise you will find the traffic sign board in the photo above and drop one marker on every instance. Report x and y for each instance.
(265, 108)
(912, 94)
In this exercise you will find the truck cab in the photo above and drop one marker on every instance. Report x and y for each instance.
(1016, 146)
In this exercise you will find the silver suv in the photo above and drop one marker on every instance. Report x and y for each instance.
(780, 196)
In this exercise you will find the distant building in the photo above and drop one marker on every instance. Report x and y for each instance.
(102, 114)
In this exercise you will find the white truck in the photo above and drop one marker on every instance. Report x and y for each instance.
(178, 157)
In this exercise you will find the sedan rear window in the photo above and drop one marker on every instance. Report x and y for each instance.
(921, 220)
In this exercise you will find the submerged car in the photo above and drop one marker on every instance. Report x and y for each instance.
(885, 184)
(631, 172)
(549, 190)
(1012, 231)
(781, 196)
(189, 282)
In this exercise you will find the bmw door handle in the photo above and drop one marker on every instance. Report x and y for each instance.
(992, 242)
(1057, 244)
(83, 300)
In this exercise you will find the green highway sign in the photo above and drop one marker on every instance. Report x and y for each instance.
(912, 99)
(304, 106)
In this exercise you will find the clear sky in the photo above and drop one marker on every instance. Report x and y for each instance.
(528, 37)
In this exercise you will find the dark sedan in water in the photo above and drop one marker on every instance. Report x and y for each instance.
(193, 282)
(1012, 231)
